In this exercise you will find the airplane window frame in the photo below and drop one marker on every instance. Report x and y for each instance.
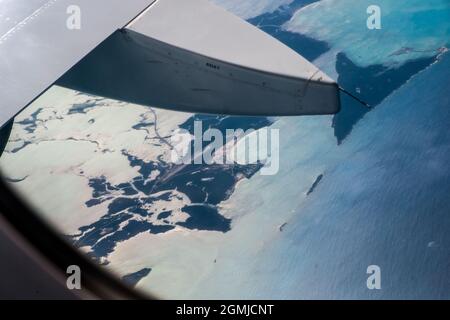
(48, 244)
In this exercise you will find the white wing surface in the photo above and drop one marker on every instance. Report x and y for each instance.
(37, 47)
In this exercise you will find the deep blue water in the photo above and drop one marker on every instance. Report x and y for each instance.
(386, 203)
(375, 83)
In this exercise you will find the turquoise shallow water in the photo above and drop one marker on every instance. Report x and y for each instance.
(420, 27)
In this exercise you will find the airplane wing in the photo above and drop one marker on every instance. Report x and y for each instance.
(186, 55)
(37, 47)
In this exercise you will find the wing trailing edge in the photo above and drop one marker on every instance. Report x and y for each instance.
(194, 56)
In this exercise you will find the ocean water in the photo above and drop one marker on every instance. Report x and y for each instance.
(383, 200)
